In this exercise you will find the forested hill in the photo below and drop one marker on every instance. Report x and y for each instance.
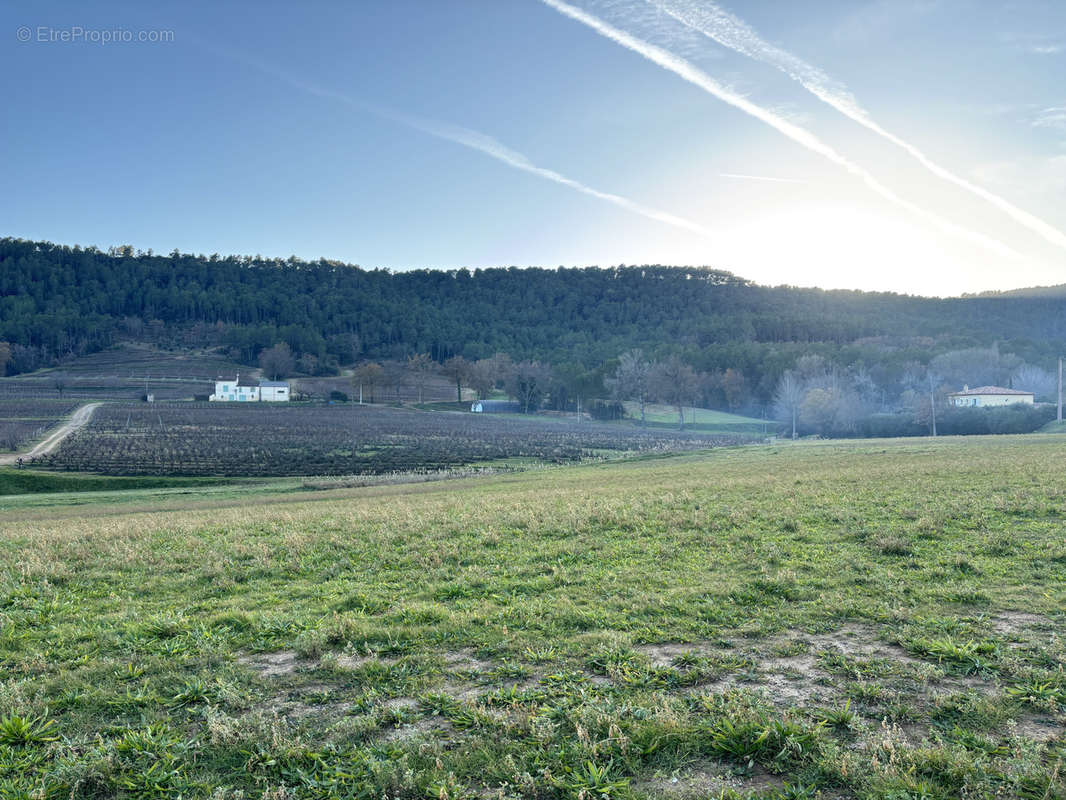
(57, 300)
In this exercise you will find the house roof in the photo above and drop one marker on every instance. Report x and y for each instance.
(274, 384)
(246, 383)
(499, 405)
(988, 390)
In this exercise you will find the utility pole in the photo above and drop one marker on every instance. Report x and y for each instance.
(932, 404)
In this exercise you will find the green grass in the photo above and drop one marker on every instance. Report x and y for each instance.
(76, 504)
(875, 619)
(1054, 427)
(25, 481)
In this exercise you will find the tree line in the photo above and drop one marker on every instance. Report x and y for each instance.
(818, 397)
(814, 397)
(737, 338)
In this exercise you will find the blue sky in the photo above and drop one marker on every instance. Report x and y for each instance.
(475, 133)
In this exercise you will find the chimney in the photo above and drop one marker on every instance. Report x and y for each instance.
(966, 387)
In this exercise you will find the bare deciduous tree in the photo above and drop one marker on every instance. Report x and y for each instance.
(788, 398)
(366, 377)
(482, 377)
(734, 386)
(527, 383)
(1030, 378)
(9, 437)
(395, 377)
(632, 380)
(458, 369)
(675, 383)
(277, 361)
(976, 366)
(421, 367)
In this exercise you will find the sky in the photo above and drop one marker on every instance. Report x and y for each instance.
(916, 146)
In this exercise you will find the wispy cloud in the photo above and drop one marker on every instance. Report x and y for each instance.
(1053, 117)
(730, 31)
(686, 70)
(475, 140)
(1041, 44)
(743, 177)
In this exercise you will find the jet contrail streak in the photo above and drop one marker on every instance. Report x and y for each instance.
(730, 31)
(480, 142)
(491, 147)
(802, 136)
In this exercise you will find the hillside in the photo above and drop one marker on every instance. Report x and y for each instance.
(58, 301)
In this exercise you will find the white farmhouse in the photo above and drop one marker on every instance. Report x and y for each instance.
(984, 396)
(236, 391)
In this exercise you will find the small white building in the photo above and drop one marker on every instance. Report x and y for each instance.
(237, 392)
(273, 391)
(985, 396)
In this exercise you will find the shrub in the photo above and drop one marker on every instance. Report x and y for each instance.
(606, 411)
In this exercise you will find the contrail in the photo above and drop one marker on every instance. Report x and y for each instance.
(802, 136)
(730, 31)
(475, 141)
(495, 149)
(742, 177)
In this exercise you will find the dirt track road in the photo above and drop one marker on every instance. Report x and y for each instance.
(53, 439)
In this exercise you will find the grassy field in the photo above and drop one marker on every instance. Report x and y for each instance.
(875, 619)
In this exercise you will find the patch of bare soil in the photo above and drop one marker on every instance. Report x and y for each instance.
(272, 665)
(794, 680)
(705, 780)
(1013, 623)
(797, 679)
(423, 727)
(858, 641)
(282, 706)
(664, 655)
(465, 660)
(968, 683)
(299, 710)
(462, 692)
(462, 672)
(1037, 728)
